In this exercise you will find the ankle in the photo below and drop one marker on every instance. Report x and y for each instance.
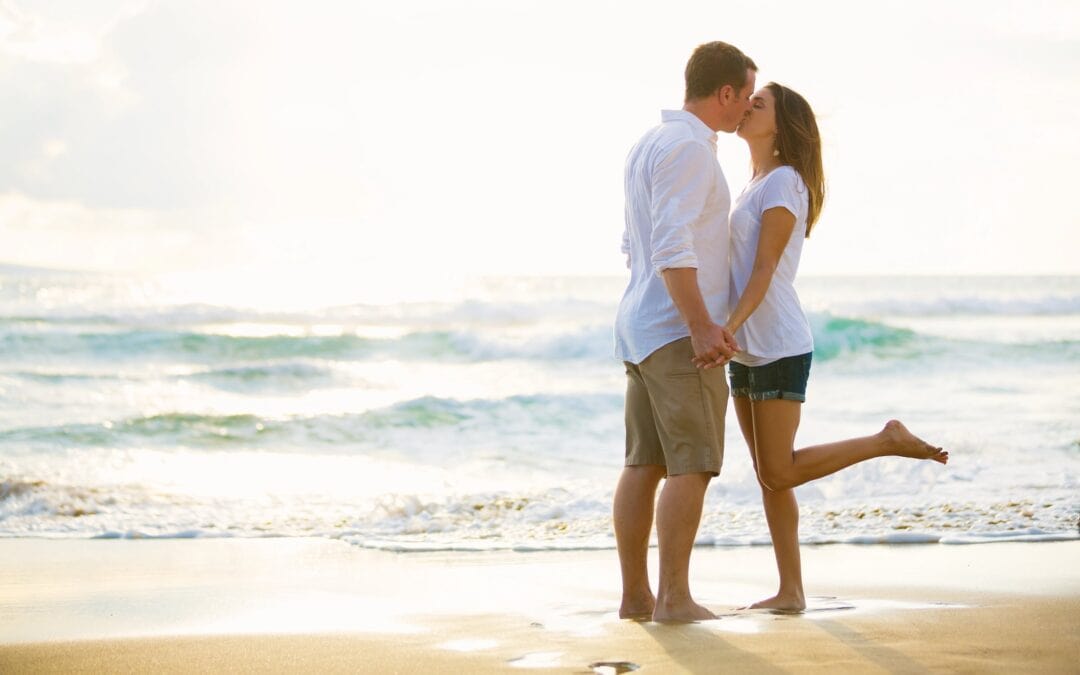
(637, 590)
(884, 443)
(638, 596)
(673, 599)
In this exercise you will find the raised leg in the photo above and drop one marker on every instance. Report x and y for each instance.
(781, 467)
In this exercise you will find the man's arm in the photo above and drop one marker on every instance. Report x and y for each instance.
(713, 345)
(681, 188)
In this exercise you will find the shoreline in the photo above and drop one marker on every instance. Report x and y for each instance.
(322, 605)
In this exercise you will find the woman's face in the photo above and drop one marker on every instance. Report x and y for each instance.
(760, 121)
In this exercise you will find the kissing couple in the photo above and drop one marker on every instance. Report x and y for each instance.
(711, 285)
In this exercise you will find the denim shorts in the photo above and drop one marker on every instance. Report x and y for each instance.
(783, 379)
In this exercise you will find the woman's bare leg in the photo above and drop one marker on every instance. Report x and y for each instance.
(782, 515)
(780, 467)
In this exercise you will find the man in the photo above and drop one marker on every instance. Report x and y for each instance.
(676, 239)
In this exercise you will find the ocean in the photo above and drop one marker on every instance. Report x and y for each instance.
(487, 414)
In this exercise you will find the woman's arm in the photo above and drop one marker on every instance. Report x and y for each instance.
(777, 225)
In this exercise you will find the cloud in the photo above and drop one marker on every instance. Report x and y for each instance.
(70, 235)
(62, 31)
(61, 86)
(489, 136)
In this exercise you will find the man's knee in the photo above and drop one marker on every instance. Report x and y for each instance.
(698, 480)
(645, 473)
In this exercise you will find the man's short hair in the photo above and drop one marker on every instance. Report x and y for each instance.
(714, 64)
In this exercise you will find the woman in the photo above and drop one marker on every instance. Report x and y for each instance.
(771, 218)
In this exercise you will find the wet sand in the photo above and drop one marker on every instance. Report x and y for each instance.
(318, 605)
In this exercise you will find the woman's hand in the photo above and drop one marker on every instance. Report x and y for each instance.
(723, 345)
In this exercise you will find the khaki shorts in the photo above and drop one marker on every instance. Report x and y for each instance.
(675, 412)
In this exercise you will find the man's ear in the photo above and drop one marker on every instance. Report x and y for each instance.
(725, 93)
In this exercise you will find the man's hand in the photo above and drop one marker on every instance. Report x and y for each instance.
(713, 346)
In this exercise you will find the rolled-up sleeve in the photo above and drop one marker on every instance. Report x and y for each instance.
(681, 184)
(626, 242)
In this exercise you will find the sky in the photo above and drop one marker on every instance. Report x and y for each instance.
(417, 139)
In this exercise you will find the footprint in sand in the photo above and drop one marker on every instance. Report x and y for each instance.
(612, 667)
(536, 660)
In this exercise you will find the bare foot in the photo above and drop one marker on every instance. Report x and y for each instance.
(681, 612)
(637, 608)
(903, 443)
(781, 602)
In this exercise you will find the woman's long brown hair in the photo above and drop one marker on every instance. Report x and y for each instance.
(799, 143)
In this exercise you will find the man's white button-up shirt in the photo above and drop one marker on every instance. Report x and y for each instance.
(677, 204)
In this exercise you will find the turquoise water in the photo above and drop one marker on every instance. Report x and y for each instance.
(490, 414)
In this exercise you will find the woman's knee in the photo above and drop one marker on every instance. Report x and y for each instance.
(775, 478)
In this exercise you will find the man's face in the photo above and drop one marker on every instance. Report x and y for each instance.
(738, 105)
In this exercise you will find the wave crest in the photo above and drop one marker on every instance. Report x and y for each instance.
(553, 412)
(835, 336)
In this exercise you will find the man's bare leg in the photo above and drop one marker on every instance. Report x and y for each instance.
(635, 498)
(677, 518)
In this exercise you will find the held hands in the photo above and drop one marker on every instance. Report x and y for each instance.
(713, 346)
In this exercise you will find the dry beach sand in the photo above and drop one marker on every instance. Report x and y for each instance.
(221, 605)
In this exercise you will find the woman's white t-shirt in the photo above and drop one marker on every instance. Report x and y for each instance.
(778, 327)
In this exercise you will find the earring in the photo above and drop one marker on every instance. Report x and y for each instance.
(776, 152)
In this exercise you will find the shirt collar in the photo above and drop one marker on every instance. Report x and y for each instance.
(700, 129)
